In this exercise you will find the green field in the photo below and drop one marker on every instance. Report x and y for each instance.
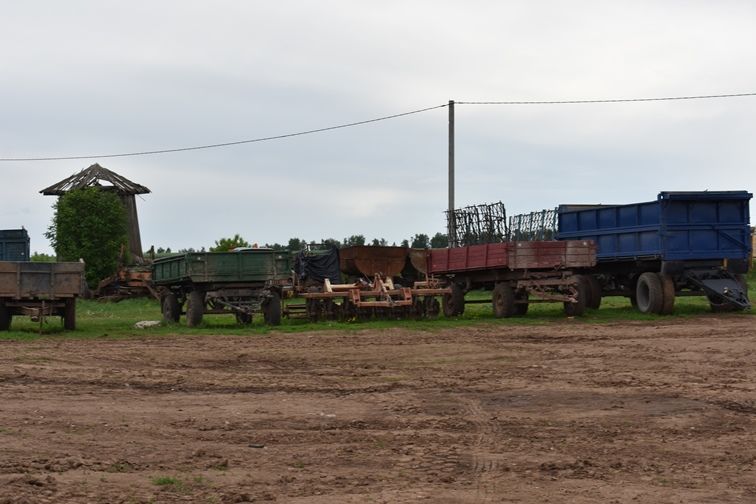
(116, 320)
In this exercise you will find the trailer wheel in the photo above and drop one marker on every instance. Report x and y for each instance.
(195, 308)
(272, 310)
(432, 307)
(521, 309)
(171, 308)
(453, 304)
(649, 293)
(577, 309)
(594, 293)
(418, 308)
(5, 316)
(243, 318)
(69, 315)
(503, 300)
(668, 294)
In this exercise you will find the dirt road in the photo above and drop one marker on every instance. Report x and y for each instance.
(567, 412)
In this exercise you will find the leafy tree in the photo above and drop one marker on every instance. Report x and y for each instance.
(354, 240)
(42, 257)
(379, 242)
(296, 244)
(227, 244)
(331, 242)
(439, 240)
(405, 243)
(420, 240)
(89, 224)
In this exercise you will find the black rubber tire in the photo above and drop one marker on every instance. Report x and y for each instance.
(243, 318)
(453, 304)
(521, 309)
(577, 309)
(649, 293)
(432, 307)
(418, 308)
(69, 315)
(195, 308)
(272, 310)
(668, 294)
(171, 309)
(5, 316)
(503, 300)
(594, 293)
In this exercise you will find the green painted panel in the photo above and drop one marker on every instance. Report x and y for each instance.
(222, 267)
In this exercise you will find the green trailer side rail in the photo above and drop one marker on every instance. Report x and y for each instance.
(241, 283)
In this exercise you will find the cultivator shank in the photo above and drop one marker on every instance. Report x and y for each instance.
(376, 298)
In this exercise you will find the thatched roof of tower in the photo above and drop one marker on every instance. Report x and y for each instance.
(92, 177)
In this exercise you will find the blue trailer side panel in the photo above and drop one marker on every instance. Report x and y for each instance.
(14, 245)
(678, 226)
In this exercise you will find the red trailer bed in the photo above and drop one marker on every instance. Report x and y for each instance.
(531, 255)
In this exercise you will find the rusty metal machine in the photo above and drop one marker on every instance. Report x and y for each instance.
(371, 281)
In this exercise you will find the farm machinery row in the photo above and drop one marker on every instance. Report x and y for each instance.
(365, 282)
(681, 244)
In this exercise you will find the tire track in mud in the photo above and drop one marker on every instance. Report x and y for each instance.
(485, 465)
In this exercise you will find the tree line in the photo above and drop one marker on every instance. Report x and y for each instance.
(420, 240)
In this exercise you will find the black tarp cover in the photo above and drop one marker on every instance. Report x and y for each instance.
(317, 265)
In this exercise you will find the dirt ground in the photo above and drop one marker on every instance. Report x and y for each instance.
(567, 412)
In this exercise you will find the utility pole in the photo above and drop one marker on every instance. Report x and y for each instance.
(452, 228)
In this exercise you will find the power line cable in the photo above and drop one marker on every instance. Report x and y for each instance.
(228, 144)
(368, 121)
(612, 100)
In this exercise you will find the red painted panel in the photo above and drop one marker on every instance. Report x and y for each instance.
(516, 255)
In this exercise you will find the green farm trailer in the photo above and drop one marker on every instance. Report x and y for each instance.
(240, 283)
(40, 290)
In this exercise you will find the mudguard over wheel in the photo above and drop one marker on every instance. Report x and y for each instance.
(649, 293)
(195, 308)
(272, 309)
(453, 304)
(171, 308)
(503, 300)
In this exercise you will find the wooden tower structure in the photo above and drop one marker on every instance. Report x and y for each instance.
(106, 180)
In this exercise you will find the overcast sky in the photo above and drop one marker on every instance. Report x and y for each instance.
(99, 77)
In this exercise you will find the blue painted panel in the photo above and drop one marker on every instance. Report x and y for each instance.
(677, 226)
(607, 218)
(14, 245)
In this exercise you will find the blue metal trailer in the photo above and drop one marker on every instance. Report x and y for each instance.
(14, 245)
(684, 243)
